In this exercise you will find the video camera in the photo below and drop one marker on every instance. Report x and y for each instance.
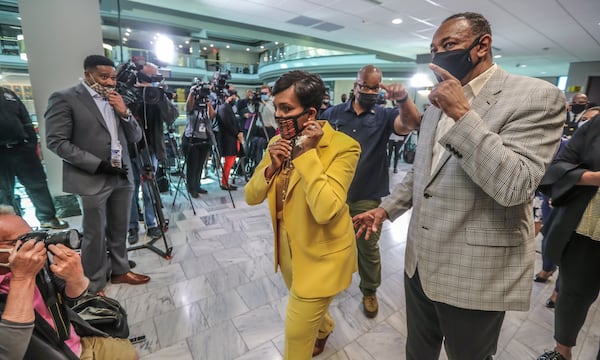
(69, 238)
(201, 91)
(129, 75)
(256, 98)
(220, 84)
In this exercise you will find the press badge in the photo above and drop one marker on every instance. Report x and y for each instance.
(115, 157)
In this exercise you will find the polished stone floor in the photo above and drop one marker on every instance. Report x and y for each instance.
(219, 298)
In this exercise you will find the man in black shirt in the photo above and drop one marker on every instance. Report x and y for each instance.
(18, 151)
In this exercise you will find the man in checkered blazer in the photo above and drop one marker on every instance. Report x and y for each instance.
(483, 148)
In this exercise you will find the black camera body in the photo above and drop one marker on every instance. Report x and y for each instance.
(201, 91)
(129, 75)
(69, 238)
(220, 84)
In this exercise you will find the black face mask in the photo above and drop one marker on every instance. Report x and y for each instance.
(578, 108)
(367, 101)
(456, 62)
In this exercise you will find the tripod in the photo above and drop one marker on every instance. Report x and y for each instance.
(144, 160)
(248, 162)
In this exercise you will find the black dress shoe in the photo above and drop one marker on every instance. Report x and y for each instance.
(194, 194)
(202, 191)
(540, 279)
(229, 187)
(550, 304)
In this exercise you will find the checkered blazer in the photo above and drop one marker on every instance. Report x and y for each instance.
(471, 231)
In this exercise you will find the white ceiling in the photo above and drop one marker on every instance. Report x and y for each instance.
(544, 35)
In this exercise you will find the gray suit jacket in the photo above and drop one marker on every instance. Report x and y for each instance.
(77, 132)
(471, 231)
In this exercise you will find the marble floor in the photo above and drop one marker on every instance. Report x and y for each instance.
(218, 298)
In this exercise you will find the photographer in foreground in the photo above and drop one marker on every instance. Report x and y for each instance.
(196, 141)
(27, 290)
(152, 110)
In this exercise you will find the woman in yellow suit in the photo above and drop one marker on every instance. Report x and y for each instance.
(305, 179)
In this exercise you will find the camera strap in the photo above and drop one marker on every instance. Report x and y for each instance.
(54, 303)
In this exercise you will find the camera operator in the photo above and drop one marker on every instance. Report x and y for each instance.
(196, 141)
(33, 322)
(230, 133)
(267, 111)
(151, 117)
(246, 110)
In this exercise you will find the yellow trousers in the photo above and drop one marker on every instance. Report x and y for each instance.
(306, 319)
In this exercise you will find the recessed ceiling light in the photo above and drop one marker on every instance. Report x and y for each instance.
(124, 39)
(227, 46)
(180, 46)
(187, 41)
(397, 21)
(204, 48)
(497, 56)
(247, 49)
(212, 45)
(127, 34)
(128, 29)
(276, 42)
(262, 46)
(151, 42)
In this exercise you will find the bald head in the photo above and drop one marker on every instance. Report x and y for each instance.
(150, 69)
(368, 71)
(579, 98)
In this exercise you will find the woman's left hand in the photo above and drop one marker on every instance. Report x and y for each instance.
(311, 135)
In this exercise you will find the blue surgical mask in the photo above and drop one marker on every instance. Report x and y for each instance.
(264, 97)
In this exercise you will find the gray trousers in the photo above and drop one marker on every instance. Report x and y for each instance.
(105, 223)
(466, 334)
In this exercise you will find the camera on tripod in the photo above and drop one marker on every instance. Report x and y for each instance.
(201, 92)
(69, 238)
(220, 84)
(129, 75)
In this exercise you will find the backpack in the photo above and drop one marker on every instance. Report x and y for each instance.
(104, 314)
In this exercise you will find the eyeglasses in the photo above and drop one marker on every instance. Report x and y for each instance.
(262, 93)
(366, 88)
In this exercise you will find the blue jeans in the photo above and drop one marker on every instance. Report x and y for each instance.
(149, 216)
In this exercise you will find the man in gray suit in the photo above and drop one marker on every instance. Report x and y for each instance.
(483, 148)
(89, 126)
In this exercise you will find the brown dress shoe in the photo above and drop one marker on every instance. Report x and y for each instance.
(129, 278)
(320, 345)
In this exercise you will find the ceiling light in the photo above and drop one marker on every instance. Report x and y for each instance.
(128, 29)
(211, 45)
(187, 41)
(227, 46)
(151, 42)
(19, 18)
(247, 49)
(397, 21)
(124, 39)
(204, 48)
(420, 80)
(180, 46)
(107, 47)
(276, 42)
(262, 46)
(497, 56)
(127, 34)
(164, 49)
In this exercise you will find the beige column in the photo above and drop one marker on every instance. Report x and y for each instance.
(58, 34)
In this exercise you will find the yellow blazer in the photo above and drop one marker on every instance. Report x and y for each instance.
(315, 213)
